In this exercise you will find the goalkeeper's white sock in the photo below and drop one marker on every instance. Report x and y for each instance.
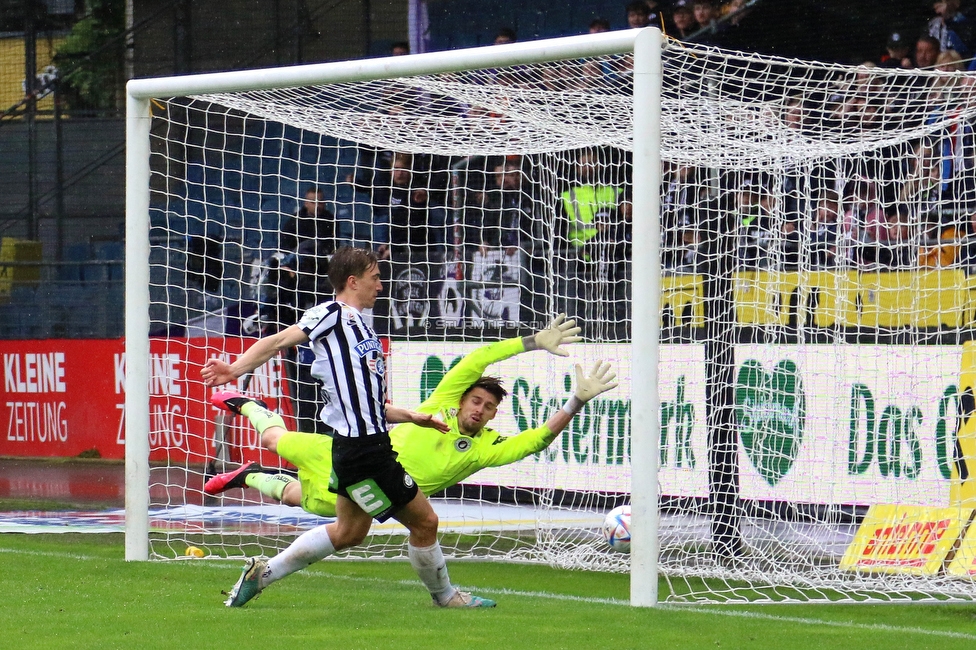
(430, 565)
(260, 417)
(270, 485)
(308, 548)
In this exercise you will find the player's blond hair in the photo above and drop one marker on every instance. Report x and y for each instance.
(349, 262)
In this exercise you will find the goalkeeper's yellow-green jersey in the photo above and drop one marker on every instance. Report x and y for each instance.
(439, 460)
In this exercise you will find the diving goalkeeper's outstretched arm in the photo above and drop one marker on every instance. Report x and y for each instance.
(504, 450)
(472, 366)
(600, 380)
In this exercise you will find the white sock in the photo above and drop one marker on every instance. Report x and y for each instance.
(430, 565)
(308, 548)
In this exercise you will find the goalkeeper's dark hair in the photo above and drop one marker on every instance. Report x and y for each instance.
(348, 261)
(491, 384)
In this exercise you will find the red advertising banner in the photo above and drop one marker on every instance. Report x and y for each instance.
(66, 398)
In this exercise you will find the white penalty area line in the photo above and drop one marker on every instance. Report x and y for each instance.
(710, 610)
(59, 554)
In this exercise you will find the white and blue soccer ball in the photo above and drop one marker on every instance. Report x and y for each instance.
(616, 529)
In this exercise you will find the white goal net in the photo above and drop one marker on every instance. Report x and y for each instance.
(814, 258)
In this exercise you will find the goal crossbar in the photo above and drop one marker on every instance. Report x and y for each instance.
(412, 65)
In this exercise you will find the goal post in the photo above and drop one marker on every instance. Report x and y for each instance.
(137, 329)
(646, 332)
(645, 45)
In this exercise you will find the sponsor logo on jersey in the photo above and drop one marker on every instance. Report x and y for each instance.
(369, 345)
(462, 444)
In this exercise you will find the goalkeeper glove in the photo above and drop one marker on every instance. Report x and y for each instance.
(560, 332)
(600, 380)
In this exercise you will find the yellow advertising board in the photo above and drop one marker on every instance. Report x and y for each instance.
(18, 250)
(963, 564)
(12, 65)
(681, 295)
(913, 540)
(962, 490)
(886, 299)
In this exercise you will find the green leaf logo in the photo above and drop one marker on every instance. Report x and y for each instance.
(431, 375)
(771, 411)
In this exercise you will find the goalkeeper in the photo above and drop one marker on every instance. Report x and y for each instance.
(465, 399)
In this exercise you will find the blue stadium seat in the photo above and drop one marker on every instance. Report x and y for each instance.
(110, 250)
(113, 252)
(247, 190)
(73, 253)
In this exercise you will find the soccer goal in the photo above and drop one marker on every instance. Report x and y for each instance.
(771, 252)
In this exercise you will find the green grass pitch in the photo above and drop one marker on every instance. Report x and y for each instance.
(76, 591)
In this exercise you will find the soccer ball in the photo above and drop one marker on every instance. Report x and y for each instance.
(616, 529)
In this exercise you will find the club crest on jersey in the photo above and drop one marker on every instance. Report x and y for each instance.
(462, 444)
(377, 365)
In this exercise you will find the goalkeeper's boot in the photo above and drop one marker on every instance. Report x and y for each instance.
(464, 599)
(231, 400)
(248, 585)
(231, 480)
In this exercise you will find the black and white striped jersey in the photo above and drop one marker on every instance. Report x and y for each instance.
(349, 363)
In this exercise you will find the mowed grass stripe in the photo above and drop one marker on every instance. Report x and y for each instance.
(232, 567)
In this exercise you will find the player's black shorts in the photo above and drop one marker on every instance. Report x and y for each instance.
(369, 473)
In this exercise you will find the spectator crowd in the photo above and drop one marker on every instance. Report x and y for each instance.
(480, 226)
